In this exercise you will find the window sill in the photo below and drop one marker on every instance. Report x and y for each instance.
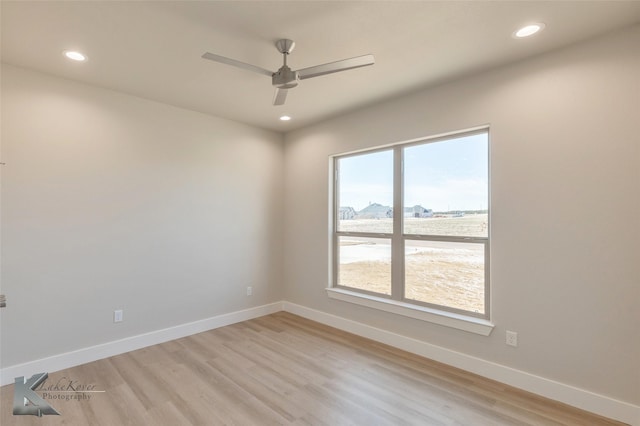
(447, 319)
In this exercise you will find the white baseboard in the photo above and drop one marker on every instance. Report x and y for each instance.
(105, 350)
(580, 398)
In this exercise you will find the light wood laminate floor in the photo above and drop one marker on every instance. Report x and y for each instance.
(283, 369)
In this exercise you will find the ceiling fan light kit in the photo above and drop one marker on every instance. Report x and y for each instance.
(285, 78)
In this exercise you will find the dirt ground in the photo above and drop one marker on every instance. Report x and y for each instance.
(469, 226)
(443, 274)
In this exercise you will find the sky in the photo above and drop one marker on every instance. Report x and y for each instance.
(442, 176)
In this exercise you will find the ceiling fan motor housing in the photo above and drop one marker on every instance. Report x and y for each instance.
(285, 78)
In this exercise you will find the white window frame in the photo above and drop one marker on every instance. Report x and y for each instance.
(395, 303)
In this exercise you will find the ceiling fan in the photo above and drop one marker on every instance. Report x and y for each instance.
(285, 78)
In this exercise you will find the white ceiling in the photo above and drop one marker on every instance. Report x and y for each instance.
(153, 49)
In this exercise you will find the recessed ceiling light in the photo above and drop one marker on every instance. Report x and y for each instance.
(528, 30)
(75, 56)
(285, 118)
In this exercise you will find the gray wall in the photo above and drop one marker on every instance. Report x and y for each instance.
(565, 198)
(115, 202)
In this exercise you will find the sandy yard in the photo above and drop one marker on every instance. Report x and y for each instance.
(440, 273)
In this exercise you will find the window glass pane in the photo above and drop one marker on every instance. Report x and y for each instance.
(446, 187)
(445, 273)
(365, 264)
(365, 193)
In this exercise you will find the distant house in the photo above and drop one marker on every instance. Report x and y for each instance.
(375, 211)
(417, 211)
(346, 213)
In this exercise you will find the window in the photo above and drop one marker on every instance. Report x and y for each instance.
(411, 223)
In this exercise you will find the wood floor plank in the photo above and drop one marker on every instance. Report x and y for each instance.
(285, 370)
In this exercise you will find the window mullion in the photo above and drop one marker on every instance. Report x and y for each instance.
(397, 241)
(335, 254)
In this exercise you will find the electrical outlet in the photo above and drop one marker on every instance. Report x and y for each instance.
(249, 291)
(117, 315)
(512, 338)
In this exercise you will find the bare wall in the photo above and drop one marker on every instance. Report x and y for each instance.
(565, 198)
(115, 202)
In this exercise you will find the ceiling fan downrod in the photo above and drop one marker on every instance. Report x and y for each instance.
(285, 78)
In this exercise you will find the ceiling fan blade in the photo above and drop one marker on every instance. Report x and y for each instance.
(233, 62)
(343, 65)
(279, 96)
